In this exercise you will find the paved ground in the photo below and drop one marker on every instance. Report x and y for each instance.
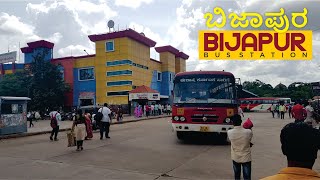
(141, 150)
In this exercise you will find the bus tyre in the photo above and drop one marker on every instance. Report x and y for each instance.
(181, 135)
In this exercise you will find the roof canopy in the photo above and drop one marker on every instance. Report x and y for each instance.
(143, 89)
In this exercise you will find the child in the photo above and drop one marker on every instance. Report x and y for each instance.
(248, 125)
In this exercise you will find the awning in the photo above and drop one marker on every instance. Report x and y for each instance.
(144, 92)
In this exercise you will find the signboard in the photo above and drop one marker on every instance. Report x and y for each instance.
(86, 95)
(8, 57)
(147, 96)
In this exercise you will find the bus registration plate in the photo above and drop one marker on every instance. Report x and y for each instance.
(204, 128)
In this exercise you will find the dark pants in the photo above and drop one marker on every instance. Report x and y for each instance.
(55, 132)
(272, 113)
(282, 115)
(147, 113)
(104, 127)
(289, 114)
(31, 124)
(79, 144)
(278, 113)
(246, 170)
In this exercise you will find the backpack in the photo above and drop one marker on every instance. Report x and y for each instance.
(98, 117)
(54, 122)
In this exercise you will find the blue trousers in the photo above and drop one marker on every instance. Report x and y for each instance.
(246, 170)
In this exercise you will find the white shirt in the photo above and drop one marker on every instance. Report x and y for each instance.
(105, 111)
(58, 116)
(240, 139)
(169, 108)
(240, 111)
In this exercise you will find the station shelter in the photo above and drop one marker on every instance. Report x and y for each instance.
(13, 115)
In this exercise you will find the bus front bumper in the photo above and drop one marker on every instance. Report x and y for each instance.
(218, 128)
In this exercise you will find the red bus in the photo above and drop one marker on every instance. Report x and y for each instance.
(203, 101)
(261, 104)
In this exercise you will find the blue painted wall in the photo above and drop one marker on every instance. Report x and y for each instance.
(28, 57)
(155, 84)
(81, 86)
(166, 83)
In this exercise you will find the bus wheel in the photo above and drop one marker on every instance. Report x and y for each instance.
(181, 135)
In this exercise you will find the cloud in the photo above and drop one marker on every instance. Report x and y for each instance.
(190, 20)
(74, 50)
(132, 3)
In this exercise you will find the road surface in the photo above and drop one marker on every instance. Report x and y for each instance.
(141, 150)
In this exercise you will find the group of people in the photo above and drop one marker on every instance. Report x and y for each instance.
(298, 112)
(152, 110)
(299, 143)
(33, 115)
(280, 109)
(82, 125)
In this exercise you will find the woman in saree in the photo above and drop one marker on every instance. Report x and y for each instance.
(140, 112)
(79, 128)
(88, 124)
(136, 111)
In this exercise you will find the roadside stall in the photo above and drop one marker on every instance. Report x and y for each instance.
(13, 115)
(142, 95)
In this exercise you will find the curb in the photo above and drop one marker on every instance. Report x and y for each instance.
(11, 136)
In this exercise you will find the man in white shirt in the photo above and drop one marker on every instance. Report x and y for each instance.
(55, 128)
(240, 112)
(105, 121)
(240, 139)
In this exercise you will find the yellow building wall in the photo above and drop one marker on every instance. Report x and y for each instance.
(121, 52)
(168, 61)
(180, 65)
(84, 62)
(8, 72)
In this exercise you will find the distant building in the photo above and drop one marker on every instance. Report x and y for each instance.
(121, 63)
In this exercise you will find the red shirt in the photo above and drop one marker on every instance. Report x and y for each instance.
(298, 112)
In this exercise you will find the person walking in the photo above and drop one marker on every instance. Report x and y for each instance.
(105, 121)
(309, 116)
(55, 117)
(79, 128)
(119, 114)
(273, 109)
(168, 109)
(30, 119)
(300, 143)
(88, 124)
(282, 109)
(240, 112)
(240, 139)
(147, 110)
(290, 110)
(152, 109)
(278, 110)
(37, 116)
(156, 109)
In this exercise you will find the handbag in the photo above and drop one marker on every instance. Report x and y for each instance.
(71, 139)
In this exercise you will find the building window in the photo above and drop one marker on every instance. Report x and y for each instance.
(159, 74)
(86, 102)
(109, 46)
(119, 93)
(119, 73)
(119, 63)
(119, 83)
(86, 74)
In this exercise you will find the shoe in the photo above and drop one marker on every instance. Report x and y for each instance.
(51, 139)
(108, 137)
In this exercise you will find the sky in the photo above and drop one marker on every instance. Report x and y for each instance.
(67, 23)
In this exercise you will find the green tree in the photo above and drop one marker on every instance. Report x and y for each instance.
(47, 86)
(16, 84)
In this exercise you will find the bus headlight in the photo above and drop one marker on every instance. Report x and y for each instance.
(182, 118)
(176, 118)
(228, 120)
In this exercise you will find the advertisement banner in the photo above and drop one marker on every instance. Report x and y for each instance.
(8, 57)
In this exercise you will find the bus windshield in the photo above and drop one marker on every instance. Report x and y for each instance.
(204, 89)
